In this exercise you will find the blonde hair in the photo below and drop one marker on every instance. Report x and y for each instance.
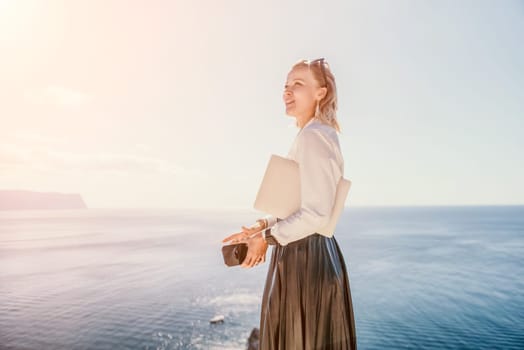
(328, 105)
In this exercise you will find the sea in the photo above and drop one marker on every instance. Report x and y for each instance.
(430, 277)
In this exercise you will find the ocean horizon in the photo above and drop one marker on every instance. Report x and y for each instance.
(421, 277)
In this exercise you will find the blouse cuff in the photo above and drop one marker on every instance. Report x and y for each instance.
(271, 220)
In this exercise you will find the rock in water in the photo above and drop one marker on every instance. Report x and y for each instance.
(217, 319)
(253, 340)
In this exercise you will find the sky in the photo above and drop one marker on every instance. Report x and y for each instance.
(178, 104)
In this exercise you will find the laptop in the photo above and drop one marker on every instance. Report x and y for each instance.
(279, 192)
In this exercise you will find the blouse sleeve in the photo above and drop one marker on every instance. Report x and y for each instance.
(319, 176)
(271, 220)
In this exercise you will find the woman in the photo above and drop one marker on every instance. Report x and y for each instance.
(306, 302)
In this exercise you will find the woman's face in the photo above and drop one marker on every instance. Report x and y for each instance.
(301, 92)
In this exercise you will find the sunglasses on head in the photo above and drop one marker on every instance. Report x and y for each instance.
(321, 61)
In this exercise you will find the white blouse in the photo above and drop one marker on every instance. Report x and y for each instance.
(316, 149)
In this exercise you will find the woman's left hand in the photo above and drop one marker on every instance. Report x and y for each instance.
(256, 251)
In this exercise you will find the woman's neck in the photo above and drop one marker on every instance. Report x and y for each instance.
(301, 122)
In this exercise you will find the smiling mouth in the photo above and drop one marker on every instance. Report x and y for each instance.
(289, 103)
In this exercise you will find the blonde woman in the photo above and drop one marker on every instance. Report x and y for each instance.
(306, 302)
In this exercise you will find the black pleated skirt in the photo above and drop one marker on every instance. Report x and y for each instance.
(306, 302)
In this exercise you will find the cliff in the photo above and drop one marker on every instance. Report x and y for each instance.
(30, 200)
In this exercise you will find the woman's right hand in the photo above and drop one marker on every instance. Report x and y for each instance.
(235, 237)
(246, 232)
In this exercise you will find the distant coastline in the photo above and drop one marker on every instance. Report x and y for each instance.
(32, 200)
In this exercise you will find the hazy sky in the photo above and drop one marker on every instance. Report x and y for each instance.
(178, 103)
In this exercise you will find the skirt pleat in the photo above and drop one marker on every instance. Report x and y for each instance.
(306, 302)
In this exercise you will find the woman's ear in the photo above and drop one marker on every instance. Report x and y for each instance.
(322, 92)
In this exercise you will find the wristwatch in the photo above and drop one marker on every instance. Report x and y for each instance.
(268, 237)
